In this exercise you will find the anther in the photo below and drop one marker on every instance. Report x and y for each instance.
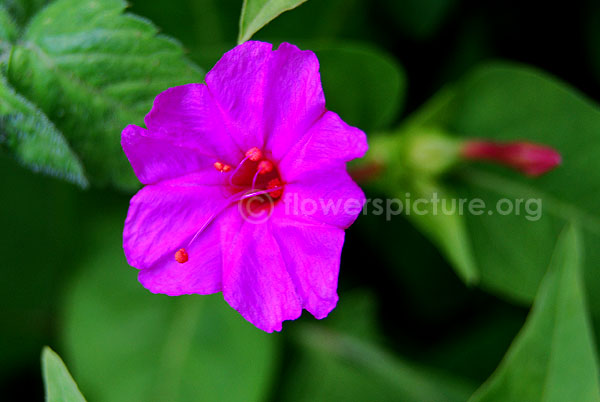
(181, 256)
(222, 167)
(254, 154)
(275, 183)
(265, 167)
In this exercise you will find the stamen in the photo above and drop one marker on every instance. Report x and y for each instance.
(181, 256)
(222, 167)
(263, 168)
(261, 192)
(254, 154)
(237, 169)
(275, 187)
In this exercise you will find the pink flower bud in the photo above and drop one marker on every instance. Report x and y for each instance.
(526, 157)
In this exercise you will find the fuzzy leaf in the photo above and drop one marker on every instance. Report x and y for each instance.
(92, 70)
(27, 133)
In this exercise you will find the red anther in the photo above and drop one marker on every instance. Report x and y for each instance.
(274, 184)
(221, 167)
(181, 256)
(265, 167)
(254, 154)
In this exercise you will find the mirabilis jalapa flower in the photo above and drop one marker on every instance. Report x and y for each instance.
(218, 154)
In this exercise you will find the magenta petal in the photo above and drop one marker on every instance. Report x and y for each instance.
(154, 159)
(330, 143)
(201, 274)
(162, 218)
(255, 280)
(188, 116)
(237, 83)
(275, 94)
(295, 99)
(330, 198)
(312, 254)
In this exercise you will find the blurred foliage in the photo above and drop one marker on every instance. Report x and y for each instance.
(593, 41)
(420, 18)
(346, 362)
(407, 326)
(509, 252)
(507, 102)
(41, 234)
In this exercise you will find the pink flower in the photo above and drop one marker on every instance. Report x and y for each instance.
(529, 158)
(216, 156)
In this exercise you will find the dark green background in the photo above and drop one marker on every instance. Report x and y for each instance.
(411, 303)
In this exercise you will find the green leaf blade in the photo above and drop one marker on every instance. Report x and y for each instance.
(60, 386)
(258, 13)
(447, 231)
(553, 358)
(363, 84)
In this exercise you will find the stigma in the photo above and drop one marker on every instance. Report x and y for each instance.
(181, 256)
(276, 186)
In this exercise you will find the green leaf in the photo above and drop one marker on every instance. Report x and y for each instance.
(92, 70)
(258, 13)
(553, 358)
(28, 134)
(446, 231)
(509, 102)
(8, 29)
(60, 386)
(363, 84)
(127, 344)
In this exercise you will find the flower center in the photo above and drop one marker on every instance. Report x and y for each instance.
(255, 183)
(254, 173)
